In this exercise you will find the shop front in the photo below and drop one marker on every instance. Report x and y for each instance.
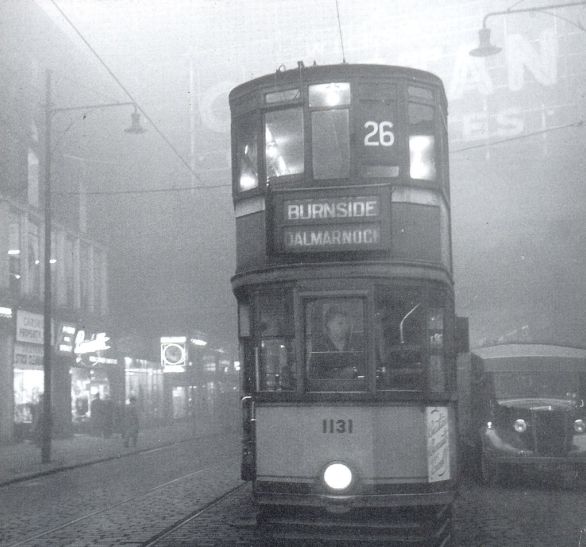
(97, 384)
(144, 380)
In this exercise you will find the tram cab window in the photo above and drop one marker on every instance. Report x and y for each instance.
(399, 340)
(284, 143)
(334, 338)
(330, 130)
(247, 152)
(276, 355)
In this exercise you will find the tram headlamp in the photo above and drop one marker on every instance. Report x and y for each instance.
(520, 425)
(579, 426)
(337, 476)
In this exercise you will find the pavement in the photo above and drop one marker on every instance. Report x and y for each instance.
(22, 461)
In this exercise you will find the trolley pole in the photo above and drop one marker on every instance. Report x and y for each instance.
(46, 416)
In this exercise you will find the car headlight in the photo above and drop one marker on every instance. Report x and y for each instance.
(579, 426)
(520, 425)
(337, 476)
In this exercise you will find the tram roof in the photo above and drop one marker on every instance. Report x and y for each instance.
(319, 73)
(529, 356)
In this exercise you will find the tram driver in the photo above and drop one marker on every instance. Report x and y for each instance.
(338, 353)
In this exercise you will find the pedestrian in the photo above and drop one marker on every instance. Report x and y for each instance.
(108, 417)
(131, 423)
(97, 415)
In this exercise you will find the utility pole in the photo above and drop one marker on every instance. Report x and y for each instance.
(46, 412)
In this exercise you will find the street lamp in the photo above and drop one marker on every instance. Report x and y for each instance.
(485, 48)
(135, 128)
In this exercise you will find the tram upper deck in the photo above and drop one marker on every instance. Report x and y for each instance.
(341, 163)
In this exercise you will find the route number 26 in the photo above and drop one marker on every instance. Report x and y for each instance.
(379, 134)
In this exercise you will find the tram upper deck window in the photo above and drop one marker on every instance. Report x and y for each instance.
(377, 113)
(330, 130)
(422, 149)
(276, 338)
(284, 143)
(247, 152)
(334, 340)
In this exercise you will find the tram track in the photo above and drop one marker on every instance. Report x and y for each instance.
(191, 517)
(131, 505)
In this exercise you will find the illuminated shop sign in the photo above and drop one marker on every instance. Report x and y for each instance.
(66, 338)
(330, 224)
(93, 344)
(173, 353)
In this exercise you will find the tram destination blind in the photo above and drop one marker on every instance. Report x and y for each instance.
(337, 223)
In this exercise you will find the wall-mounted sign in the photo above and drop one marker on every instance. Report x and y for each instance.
(330, 223)
(29, 327)
(173, 353)
(66, 338)
(28, 355)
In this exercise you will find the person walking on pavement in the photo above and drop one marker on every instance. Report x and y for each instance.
(97, 415)
(131, 423)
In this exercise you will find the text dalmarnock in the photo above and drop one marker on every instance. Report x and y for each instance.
(341, 236)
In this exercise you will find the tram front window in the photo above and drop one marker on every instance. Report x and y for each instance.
(277, 361)
(399, 339)
(284, 143)
(334, 334)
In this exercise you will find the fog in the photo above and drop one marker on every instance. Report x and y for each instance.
(516, 141)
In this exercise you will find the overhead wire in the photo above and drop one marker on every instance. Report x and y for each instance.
(579, 123)
(127, 92)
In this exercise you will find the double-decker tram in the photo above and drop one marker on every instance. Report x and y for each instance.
(345, 301)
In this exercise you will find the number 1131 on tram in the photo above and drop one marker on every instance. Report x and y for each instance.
(345, 298)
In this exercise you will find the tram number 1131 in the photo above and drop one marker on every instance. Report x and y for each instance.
(337, 426)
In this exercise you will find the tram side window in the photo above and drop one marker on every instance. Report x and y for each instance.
(284, 143)
(422, 149)
(276, 355)
(435, 334)
(334, 338)
(330, 130)
(399, 340)
(247, 152)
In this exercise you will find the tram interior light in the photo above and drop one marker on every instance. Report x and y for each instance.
(422, 157)
(333, 94)
(247, 181)
(337, 476)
